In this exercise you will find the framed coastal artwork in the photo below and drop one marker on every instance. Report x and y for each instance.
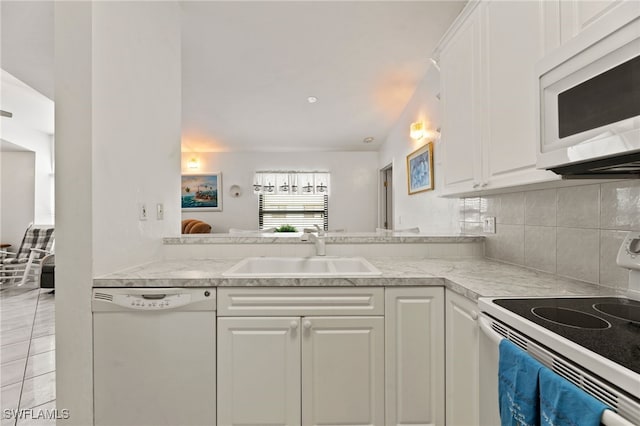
(420, 169)
(202, 192)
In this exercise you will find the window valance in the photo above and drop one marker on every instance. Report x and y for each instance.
(291, 183)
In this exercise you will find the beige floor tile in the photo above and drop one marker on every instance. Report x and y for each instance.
(39, 415)
(10, 396)
(12, 372)
(42, 344)
(38, 390)
(14, 352)
(15, 336)
(40, 364)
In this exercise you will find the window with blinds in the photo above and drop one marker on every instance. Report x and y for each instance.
(301, 211)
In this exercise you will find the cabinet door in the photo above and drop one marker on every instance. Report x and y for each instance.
(343, 371)
(462, 360)
(259, 371)
(414, 356)
(460, 80)
(513, 44)
(578, 15)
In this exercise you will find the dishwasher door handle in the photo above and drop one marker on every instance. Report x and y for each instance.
(154, 296)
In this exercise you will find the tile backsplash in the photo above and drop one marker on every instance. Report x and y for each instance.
(571, 231)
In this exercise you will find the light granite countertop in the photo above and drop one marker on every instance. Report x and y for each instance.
(331, 237)
(471, 278)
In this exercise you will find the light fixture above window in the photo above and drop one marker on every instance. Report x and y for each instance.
(193, 164)
(417, 130)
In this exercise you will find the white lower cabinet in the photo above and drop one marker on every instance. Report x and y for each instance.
(343, 371)
(462, 383)
(259, 371)
(300, 369)
(348, 356)
(414, 356)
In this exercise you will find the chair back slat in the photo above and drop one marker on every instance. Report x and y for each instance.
(35, 237)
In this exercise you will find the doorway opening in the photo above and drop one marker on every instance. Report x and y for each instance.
(386, 195)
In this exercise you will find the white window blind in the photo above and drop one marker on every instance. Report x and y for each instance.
(301, 211)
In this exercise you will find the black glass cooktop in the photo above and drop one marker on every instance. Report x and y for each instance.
(608, 326)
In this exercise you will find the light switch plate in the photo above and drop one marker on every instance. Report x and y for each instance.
(143, 213)
(489, 225)
(159, 211)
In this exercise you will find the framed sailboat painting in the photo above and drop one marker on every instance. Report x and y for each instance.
(202, 192)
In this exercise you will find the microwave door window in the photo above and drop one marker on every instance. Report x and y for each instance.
(604, 99)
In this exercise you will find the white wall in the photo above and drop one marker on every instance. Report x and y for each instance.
(354, 185)
(136, 127)
(17, 183)
(31, 128)
(426, 209)
(118, 106)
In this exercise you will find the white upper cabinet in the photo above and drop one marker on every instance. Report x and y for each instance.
(512, 46)
(488, 96)
(460, 98)
(577, 15)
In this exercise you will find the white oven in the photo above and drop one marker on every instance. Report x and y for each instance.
(615, 385)
(589, 100)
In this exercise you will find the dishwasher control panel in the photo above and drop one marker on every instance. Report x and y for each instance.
(153, 299)
(152, 302)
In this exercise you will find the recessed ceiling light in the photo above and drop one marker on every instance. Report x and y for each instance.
(368, 139)
(312, 99)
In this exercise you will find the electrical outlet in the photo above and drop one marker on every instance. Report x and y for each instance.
(489, 225)
(143, 214)
(159, 211)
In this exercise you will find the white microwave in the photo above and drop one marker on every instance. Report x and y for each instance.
(589, 101)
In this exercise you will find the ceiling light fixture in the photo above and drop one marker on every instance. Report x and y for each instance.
(368, 139)
(312, 99)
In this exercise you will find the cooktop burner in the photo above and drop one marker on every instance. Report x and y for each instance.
(620, 311)
(608, 326)
(570, 318)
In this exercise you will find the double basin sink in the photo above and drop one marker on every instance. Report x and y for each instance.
(301, 267)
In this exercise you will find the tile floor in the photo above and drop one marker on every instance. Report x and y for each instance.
(27, 353)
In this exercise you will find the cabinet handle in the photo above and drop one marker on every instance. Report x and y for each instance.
(474, 315)
(485, 184)
(475, 185)
(307, 325)
(293, 324)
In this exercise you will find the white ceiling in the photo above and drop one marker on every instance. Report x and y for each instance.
(248, 68)
(27, 42)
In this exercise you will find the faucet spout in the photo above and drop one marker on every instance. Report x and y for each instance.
(319, 241)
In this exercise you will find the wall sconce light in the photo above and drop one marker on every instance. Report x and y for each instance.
(193, 164)
(417, 130)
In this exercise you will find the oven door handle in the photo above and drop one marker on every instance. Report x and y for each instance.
(485, 326)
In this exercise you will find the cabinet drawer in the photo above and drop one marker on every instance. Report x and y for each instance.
(300, 301)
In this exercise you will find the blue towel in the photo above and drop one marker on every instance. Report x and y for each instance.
(564, 404)
(518, 393)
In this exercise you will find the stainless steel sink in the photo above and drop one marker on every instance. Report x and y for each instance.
(294, 267)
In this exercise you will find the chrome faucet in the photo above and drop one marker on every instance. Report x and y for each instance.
(318, 238)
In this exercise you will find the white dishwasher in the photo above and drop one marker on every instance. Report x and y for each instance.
(154, 356)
